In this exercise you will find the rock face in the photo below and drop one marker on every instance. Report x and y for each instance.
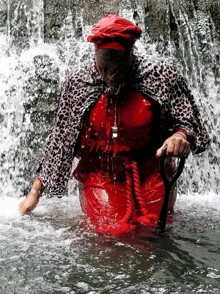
(158, 14)
(24, 22)
(183, 29)
(54, 14)
(3, 15)
(160, 19)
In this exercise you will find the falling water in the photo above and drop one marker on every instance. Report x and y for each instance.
(52, 250)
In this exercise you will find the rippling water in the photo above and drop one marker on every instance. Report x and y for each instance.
(52, 251)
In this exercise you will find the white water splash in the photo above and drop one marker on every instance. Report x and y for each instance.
(66, 207)
(204, 201)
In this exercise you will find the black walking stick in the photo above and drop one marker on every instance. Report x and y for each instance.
(168, 183)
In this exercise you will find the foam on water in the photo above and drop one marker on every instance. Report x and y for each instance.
(9, 207)
(205, 201)
(69, 206)
(49, 250)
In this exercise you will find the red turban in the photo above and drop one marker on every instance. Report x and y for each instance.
(114, 32)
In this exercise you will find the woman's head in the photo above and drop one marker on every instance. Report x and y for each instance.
(113, 65)
(114, 38)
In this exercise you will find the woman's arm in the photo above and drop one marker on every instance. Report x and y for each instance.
(169, 88)
(177, 145)
(29, 203)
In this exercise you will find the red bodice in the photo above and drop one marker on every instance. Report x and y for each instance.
(136, 120)
(134, 116)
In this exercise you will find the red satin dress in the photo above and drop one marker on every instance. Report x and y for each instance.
(119, 179)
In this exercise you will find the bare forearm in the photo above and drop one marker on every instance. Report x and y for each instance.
(29, 203)
(37, 187)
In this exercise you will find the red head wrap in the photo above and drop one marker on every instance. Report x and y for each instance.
(114, 32)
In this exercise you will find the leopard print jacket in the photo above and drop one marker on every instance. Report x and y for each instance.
(80, 92)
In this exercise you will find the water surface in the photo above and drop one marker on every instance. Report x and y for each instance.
(53, 251)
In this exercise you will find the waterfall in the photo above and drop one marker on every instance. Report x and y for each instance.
(31, 72)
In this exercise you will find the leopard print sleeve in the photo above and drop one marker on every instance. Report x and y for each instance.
(186, 115)
(57, 157)
(74, 100)
(169, 89)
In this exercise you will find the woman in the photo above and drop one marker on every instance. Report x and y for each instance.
(117, 115)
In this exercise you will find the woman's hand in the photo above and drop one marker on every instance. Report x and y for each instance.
(176, 145)
(29, 203)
